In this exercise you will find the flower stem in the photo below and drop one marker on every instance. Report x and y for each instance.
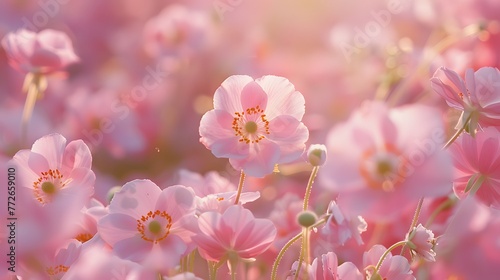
(414, 220)
(314, 172)
(240, 187)
(282, 253)
(457, 133)
(302, 252)
(384, 255)
(288, 245)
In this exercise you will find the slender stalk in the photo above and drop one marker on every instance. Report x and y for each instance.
(384, 255)
(29, 105)
(240, 187)
(288, 245)
(302, 253)
(414, 220)
(276, 263)
(314, 172)
(457, 133)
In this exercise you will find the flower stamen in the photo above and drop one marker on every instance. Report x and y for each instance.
(251, 125)
(158, 226)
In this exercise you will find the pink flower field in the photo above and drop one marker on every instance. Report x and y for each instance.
(249, 140)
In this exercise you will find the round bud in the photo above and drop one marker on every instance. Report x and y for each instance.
(316, 154)
(307, 218)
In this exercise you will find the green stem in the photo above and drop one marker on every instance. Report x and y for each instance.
(276, 263)
(384, 255)
(288, 245)
(240, 187)
(414, 220)
(302, 253)
(457, 133)
(314, 172)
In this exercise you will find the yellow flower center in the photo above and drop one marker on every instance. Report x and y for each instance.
(251, 125)
(47, 185)
(154, 226)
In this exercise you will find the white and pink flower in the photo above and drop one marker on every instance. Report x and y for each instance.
(148, 225)
(255, 123)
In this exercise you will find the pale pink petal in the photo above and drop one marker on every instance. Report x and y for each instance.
(255, 238)
(252, 96)
(52, 148)
(29, 165)
(290, 135)
(116, 227)
(77, 154)
(456, 80)
(329, 263)
(135, 198)
(261, 159)
(283, 99)
(133, 248)
(228, 96)
(446, 92)
(348, 271)
(396, 267)
(218, 135)
(173, 248)
(177, 201)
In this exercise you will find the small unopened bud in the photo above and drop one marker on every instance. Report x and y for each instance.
(307, 218)
(316, 154)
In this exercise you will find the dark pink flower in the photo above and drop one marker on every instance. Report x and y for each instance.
(255, 123)
(477, 165)
(44, 52)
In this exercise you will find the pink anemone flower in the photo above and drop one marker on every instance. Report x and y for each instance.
(233, 235)
(148, 225)
(255, 123)
(478, 97)
(477, 166)
(44, 52)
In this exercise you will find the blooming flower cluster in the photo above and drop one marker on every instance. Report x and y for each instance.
(249, 140)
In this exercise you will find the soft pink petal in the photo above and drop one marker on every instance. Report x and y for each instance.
(283, 99)
(135, 198)
(52, 148)
(252, 96)
(173, 248)
(456, 80)
(291, 135)
(177, 201)
(348, 271)
(77, 154)
(133, 248)
(116, 227)
(261, 159)
(446, 92)
(218, 135)
(255, 238)
(228, 96)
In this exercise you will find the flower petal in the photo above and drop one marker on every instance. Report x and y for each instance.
(135, 198)
(252, 96)
(228, 96)
(283, 99)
